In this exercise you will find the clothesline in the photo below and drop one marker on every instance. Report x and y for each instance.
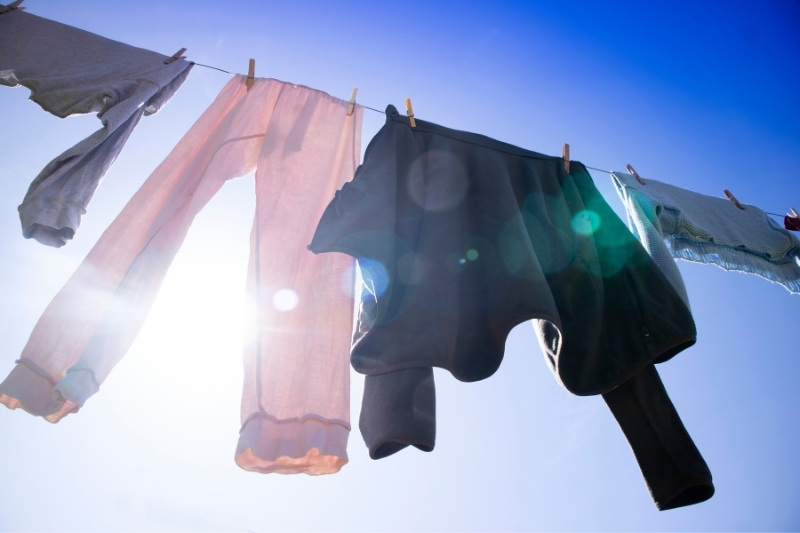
(231, 73)
(383, 112)
(379, 111)
(609, 172)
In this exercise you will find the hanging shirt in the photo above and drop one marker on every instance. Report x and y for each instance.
(71, 71)
(707, 229)
(459, 238)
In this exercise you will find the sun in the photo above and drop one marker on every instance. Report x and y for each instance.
(182, 376)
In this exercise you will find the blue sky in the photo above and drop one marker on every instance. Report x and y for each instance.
(702, 95)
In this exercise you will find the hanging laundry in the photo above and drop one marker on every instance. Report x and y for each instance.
(295, 406)
(459, 238)
(71, 71)
(791, 223)
(646, 226)
(706, 229)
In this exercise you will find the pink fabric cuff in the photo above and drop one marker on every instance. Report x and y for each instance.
(309, 445)
(34, 392)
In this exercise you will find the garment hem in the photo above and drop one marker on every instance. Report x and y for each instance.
(464, 379)
(32, 391)
(307, 445)
(691, 491)
(785, 273)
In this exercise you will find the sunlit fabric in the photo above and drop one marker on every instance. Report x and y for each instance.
(69, 72)
(460, 238)
(644, 223)
(295, 407)
(707, 229)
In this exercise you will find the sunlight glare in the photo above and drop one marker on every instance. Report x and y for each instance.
(284, 300)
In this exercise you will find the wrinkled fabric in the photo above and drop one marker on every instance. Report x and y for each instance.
(475, 236)
(459, 238)
(791, 223)
(295, 405)
(71, 71)
(706, 229)
(675, 472)
(645, 224)
(399, 410)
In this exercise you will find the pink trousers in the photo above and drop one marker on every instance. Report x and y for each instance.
(295, 405)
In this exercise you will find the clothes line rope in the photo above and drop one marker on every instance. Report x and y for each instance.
(383, 112)
(609, 172)
(232, 74)
(598, 169)
(215, 68)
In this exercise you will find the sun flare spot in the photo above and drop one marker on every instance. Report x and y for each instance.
(284, 300)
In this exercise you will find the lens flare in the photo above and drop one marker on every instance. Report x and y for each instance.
(374, 276)
(284, 300)
(585, 222)
(411, 268)
(437, 181)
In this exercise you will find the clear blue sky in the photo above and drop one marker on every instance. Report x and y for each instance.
(703, 95)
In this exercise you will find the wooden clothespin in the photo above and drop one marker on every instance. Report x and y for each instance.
(732, 198)
(251, 73)
(410, 113)
(565, 156)
(635, 174)
(793, 213)
(13, 5)
(352, 104)
(176, 55)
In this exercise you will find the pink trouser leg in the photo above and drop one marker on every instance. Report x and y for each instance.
(292, 418)
(305, 147)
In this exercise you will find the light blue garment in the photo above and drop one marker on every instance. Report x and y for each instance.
(672, 222)
(71, 71)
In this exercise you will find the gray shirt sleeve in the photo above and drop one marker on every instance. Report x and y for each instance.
(70, 71)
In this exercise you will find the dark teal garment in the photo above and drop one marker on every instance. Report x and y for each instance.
(459, 238)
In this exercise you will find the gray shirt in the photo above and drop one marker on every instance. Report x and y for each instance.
(71, 71)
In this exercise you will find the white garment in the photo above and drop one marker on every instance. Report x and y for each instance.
(707, 229)
(71, 71)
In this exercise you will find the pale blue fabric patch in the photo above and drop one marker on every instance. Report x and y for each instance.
(672, 222)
